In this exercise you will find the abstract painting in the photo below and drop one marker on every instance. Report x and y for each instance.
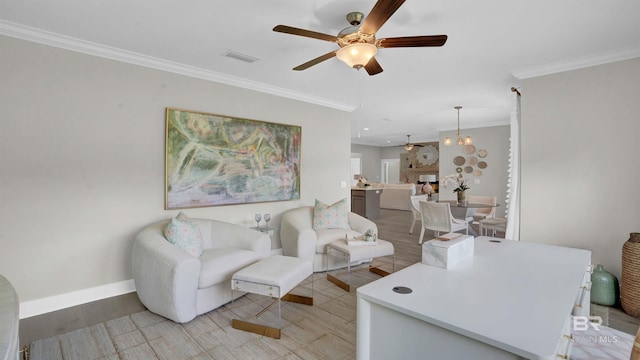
(216, 160)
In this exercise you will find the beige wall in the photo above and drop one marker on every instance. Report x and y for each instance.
(580, 157)
(370, 161)
(493, 181)
(82, 155)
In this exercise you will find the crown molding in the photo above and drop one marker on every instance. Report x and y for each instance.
(577, 63)
(87, 47)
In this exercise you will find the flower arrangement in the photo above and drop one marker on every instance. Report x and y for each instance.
(458, 180)
(368, 235)
(362, 181)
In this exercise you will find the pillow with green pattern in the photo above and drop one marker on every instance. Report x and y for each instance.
(334, 216)
(181, 232)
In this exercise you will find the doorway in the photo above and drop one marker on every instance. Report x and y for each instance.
(390, 171)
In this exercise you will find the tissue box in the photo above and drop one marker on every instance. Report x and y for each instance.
(445, 254)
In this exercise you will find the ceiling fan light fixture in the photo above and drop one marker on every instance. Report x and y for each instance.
(408, 146)
(357, 55)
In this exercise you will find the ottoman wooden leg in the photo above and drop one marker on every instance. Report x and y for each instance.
(340, 283)
(256, 328)
(377, 270)
(306, 300)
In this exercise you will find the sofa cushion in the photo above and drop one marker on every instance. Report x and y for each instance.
(334, 216)
(327, 236)
(185, 235)
(217, 265)
(397, 196)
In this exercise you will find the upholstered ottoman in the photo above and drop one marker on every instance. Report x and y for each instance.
(274, 276)
(361, 252)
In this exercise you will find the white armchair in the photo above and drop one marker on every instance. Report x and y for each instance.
(415, 209)
(179, 286)
(437, 217)
(300, 240)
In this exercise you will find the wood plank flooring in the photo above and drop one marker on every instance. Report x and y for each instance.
(122, 329)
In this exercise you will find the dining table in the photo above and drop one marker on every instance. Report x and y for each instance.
(464, 210)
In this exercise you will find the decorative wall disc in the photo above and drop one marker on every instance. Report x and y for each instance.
(482, 153)
(472, 160)
(477, 173)
(482, 165)
(428, 155)
(468, 169)
(469, 149)
(458, 170)
(458, 160)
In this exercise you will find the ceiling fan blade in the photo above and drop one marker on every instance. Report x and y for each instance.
(315, 61)
(413, 41)
(302, 32)
(373, 67)
(380, 13)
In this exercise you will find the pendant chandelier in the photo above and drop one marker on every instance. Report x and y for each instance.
(461, 140)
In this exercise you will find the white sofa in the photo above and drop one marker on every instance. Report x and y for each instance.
(397, 196)
(179, 286)
(300, 240)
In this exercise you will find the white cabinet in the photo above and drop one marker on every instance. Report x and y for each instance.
(582, 305)
(511, 300)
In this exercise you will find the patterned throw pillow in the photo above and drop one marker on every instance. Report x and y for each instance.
(334, 216)
(184, 234)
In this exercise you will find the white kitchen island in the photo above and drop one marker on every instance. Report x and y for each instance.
(511, 300)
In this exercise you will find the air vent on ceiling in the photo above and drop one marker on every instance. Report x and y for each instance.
(240, 56)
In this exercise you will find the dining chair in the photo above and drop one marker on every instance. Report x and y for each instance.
(493, 224)
(437, 217)
(415, 209)
(483, 213)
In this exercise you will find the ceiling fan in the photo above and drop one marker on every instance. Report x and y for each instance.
(358, 43)
(409, 146)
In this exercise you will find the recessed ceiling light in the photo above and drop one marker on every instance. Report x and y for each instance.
(240, 56)
(366, 129)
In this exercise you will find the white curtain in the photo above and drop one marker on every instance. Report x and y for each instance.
(513, 182)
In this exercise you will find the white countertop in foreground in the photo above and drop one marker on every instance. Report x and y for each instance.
(512, 295)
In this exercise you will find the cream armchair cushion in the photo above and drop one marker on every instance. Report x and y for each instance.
(397, 196)
(300, 240)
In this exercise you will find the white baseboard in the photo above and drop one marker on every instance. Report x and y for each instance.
(79, 297)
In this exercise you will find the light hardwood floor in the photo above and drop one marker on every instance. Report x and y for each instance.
(120, 328)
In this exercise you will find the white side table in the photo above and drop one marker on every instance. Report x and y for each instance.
(267, 230)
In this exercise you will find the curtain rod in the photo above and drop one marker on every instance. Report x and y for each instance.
(513, 89)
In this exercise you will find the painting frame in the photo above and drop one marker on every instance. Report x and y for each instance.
(217, 160)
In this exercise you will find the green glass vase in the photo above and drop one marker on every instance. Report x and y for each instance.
(604, 287)
(462, 196)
